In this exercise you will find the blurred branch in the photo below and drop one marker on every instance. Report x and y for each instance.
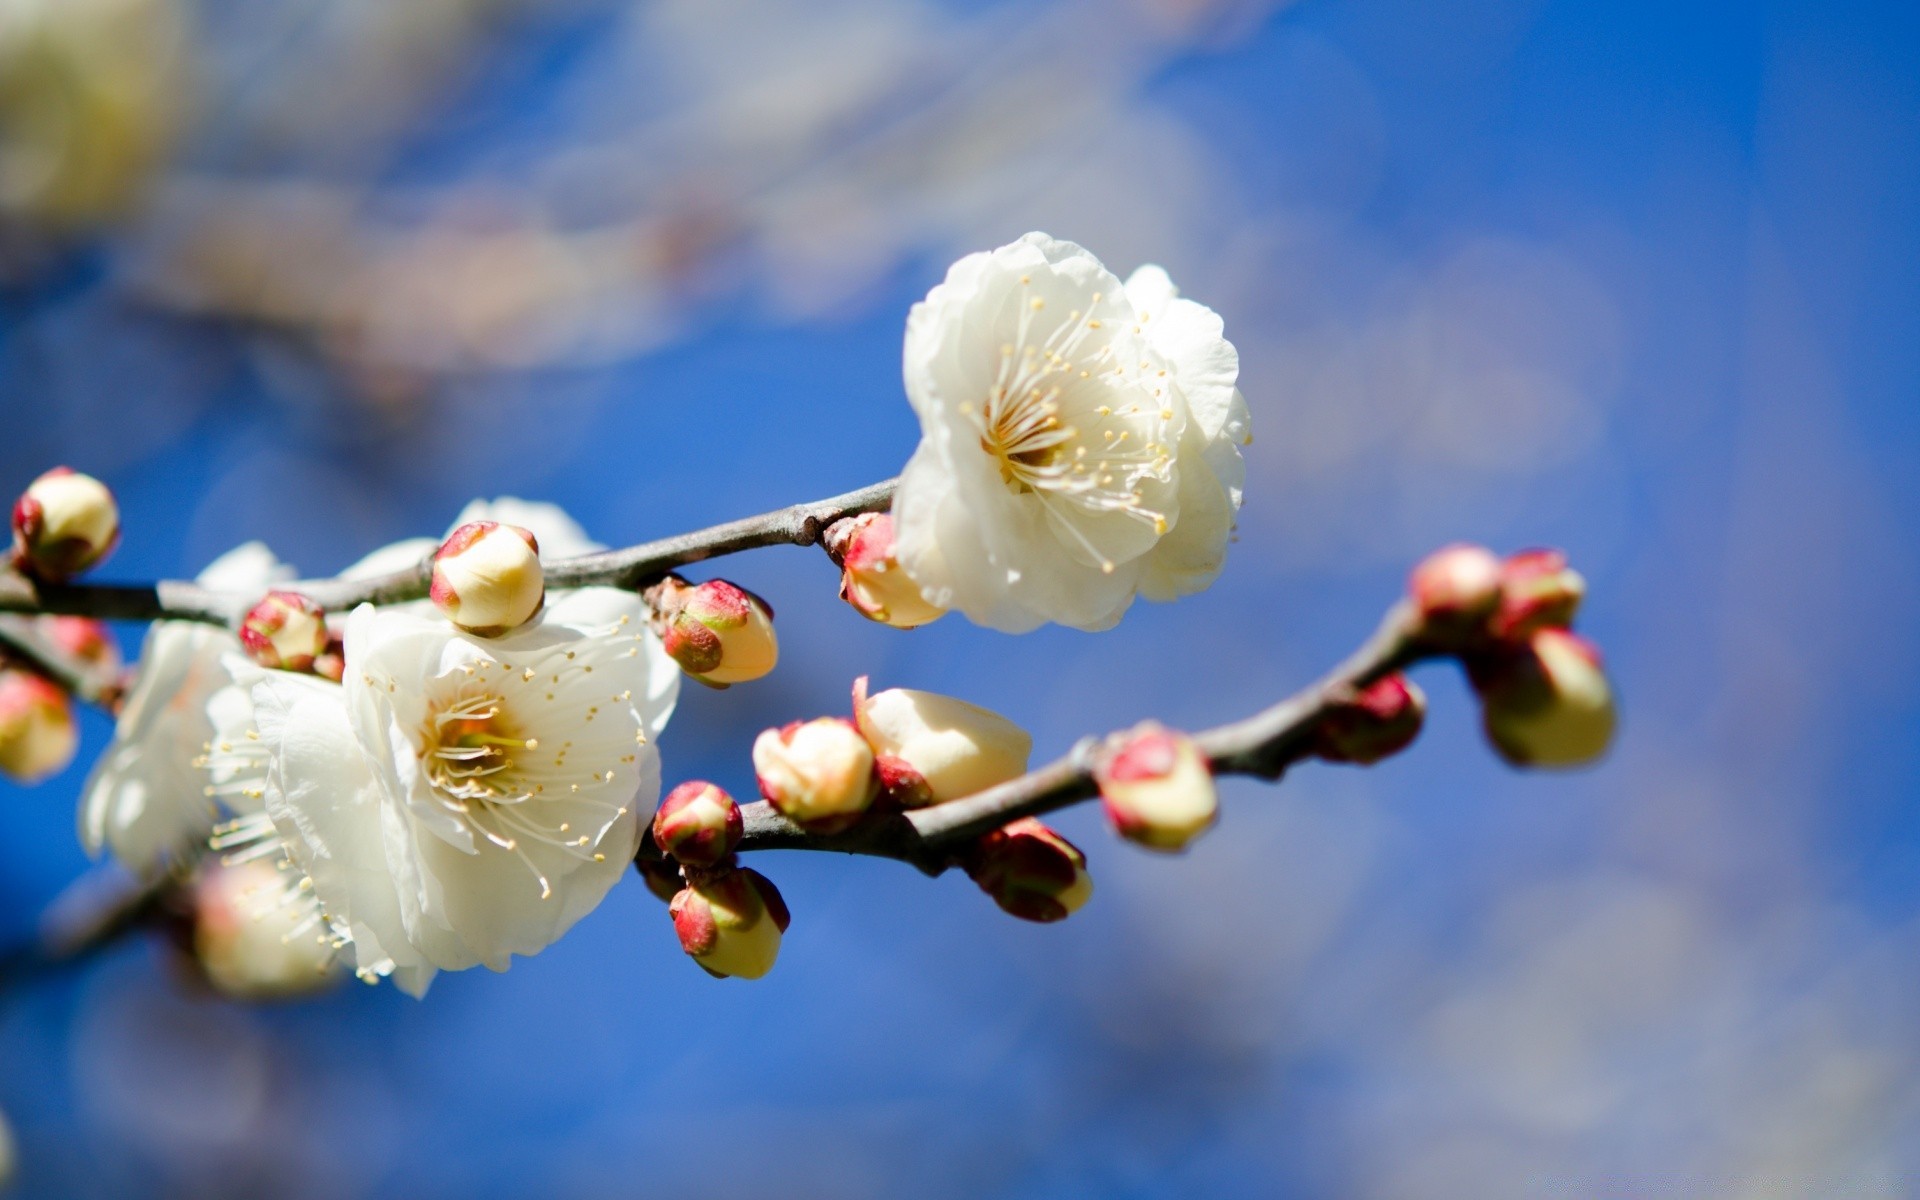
(1263, 745)
(89, 916)
(632, 567)
(19, 640)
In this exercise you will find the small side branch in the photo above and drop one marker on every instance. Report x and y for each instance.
(632, 567)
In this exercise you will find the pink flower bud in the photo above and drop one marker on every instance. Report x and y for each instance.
(1030, 871)
(697, 823)
(1157, 789)
(1456, 589)
(487, 578)
(731, 922)
(818, 772)
(1538, 590)
(37, 734)
(85, 639)
(1546, 703)
(331, 663)
(286, 630)
(252, 945)
(64, 523)
(719, 633)
(930, 749)
(871, 577)
(1375, 722)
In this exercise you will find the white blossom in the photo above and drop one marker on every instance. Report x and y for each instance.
(1080, 439)
(146, 801)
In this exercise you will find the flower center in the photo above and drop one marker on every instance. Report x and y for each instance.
(1068, 423)
(470, 748)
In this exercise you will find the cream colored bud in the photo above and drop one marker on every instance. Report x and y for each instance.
(932, 748)
(1030, 871)
(37, 733)
(251, 943)
(871, 577)
(63, 524)
(1157, 789)
(286, 631)
(816, 772)
(1547, 703)
(731, 923)
(719, 632)
(487, 578)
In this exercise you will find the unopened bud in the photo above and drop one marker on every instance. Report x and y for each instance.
(1030, 871)
(871, 577)
(286, 631)
(331, 663)
(929, 748)
(1157, 789)
(818, 772)
(1456, 589)
(731, 922)
(64, 523)
(85, 639)
(1379, 720)
(1546, 703)
(37, 733)
(1538, 590)
(250, 942)
(697, 823)
(719, 633)
(487, 578)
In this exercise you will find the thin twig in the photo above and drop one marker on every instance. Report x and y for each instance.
(1263, 745)
(631, 567)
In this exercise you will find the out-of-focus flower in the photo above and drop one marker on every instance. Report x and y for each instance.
(1030, 871)
(86, 639)
(929, 748)
(487, 578)
(89, 95)
(1455, 589)
(1538, 590)
(698, 824)
(1546, 703)
(507, 773)
(8, 1164)
(37, 734)
(1157, 789)
(731, 923)
(146, 800)
(871, 577)
(1080, 440)
(285, 631)
(719, 633)
(63, 524)
(818, 772)
(258, 935)
(1376, 722)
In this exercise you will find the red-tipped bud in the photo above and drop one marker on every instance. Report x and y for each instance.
(930, 749)
(252, 945)
(64, 523)
(818, 772)
(1030, 871)
(487, 578)
(697, 823)
(871, 577)
(719, 633)
(731, 923)
(1546, 703)
(331, 663)
(1378, 721)
(662, 876)
(286, 630)
(37, 734)
(1456, 589)
(1538, 590)
(84, 639)
(1157, 789)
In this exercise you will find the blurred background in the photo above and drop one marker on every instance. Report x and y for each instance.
(1637, 279)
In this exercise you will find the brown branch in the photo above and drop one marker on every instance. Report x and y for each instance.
(631, 568)
(94, 913)
(1263, 745)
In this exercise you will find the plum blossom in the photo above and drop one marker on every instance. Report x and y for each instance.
(1080, 440)
(146, 801)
